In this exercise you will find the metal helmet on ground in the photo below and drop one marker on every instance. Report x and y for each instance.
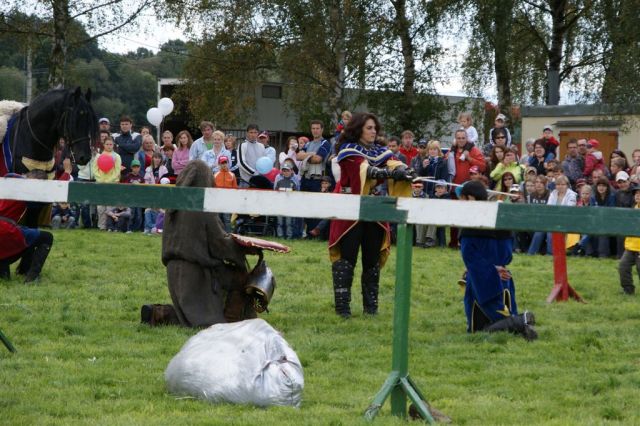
(260, 286)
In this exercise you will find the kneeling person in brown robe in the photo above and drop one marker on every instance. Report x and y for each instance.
(206, 269)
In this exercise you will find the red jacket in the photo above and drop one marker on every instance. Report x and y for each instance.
(551, 146)
(409, 153)
(593, 161)
(475, 158)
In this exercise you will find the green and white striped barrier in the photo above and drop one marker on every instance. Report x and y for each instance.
(405, 211)
(518, 217)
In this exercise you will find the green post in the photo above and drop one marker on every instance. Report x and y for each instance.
(398, 384)
(400, 357)
(4, 339)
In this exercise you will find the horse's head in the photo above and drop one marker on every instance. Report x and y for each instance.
(80, 125)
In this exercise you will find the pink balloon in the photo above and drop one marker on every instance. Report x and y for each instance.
(106, 163)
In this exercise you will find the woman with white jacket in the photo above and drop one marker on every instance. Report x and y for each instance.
(561, 196)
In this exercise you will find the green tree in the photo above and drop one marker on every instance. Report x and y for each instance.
(492, 49)
(612, 31)
(12, 83)
(407, 99)
(315, 47)
(168, 62)
(531, 47)
(323, 49)
(99, 19)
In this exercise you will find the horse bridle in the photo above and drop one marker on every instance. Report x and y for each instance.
(65, 133)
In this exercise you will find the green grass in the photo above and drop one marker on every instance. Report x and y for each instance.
(84, 358)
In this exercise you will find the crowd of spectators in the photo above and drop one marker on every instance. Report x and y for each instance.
(583, 178)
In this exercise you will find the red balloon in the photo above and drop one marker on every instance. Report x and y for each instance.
(106, 162)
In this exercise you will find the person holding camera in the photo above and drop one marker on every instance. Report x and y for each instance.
(433, 165)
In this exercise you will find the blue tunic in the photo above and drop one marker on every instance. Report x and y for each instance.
(487, 297)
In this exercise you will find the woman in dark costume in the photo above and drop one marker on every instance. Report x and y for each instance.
(363, 165)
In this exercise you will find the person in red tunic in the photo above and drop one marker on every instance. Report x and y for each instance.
(363, 166)
(30, 245)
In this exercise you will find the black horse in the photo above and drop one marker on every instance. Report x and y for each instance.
(33, 132)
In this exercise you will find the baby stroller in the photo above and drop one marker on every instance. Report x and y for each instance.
(253, 224)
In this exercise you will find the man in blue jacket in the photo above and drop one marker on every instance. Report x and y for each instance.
(490, 298)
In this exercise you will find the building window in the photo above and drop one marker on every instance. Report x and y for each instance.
(271, 91)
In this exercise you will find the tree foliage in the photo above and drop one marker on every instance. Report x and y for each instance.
(58, 23)
(319, 50)
(330, 55)
(408, 66)
(121, 84)
(614, 30)
(549, 43)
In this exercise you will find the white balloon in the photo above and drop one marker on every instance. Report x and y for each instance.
(165, 105)
(154, 116)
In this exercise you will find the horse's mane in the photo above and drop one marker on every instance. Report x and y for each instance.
(78, 110)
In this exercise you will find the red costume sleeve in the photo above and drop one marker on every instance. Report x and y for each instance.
(350, 173)
(13, 241)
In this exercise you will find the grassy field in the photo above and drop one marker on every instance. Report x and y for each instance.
(84, 358)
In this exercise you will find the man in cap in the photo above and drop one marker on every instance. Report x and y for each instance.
(631, 255)
(286, 182)
(489, 299)
(516, 194)
(551, 143)
(104, 125)
(269, 151)
(500, 123)
(418, 162)
(624, 198)
(593, 160)
(474, 172)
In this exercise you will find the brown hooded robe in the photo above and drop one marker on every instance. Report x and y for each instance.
(204, 265)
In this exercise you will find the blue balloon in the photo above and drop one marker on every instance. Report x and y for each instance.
(264, 165)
